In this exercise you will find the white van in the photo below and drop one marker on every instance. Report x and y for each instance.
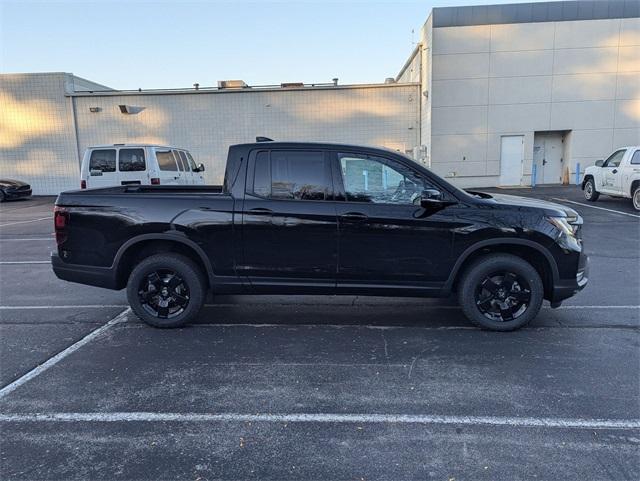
(142, 164)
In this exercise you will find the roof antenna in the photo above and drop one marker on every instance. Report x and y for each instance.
(263, 139)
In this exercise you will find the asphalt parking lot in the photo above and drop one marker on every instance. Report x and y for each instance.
(314, 387)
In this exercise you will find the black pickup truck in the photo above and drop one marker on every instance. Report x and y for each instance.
(315, 218)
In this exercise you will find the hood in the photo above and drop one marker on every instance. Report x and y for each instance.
(11, 183)
(551, 208)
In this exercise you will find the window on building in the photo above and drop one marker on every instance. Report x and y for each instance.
(166, 161)
(380, 181)
(293, 175)
(103, 160)
(131, 160)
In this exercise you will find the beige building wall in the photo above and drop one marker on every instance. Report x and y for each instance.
(46, 122)
(37, 134)
(206, 123)
(493, 80)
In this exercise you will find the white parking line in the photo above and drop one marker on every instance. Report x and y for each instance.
(596, 207)
(27, 221)
(24, 262)
(100, 306)
(29, 239)
(527, 422)
(52, 361)
(85, 306)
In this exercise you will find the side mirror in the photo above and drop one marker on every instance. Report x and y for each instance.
(431, 198)
(200, 168)
(599, 163)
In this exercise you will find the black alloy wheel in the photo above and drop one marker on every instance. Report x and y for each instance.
(167, 290)
(503, 296)
(163, 294)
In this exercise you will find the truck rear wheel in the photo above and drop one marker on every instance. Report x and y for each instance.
(166, 290)
(500, 292)
(636, 198)
(590, 192)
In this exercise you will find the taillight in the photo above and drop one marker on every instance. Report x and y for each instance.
(60, 222)
(155, 181)
(83, 184)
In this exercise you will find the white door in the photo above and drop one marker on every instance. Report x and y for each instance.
(511, 156)
(548, 150)
(168, 169)
(102, 170)
(132, 166)
(611, 174)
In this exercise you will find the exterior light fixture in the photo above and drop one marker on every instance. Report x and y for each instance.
(94, 109)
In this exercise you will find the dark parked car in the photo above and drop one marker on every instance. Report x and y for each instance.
(13, 189)
(311, 218)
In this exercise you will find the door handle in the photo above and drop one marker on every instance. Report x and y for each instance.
(614, 171)
(260, 210)
(354, 216)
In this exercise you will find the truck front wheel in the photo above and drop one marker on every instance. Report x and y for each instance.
(590, 192)
(500, 292)
(166, 290)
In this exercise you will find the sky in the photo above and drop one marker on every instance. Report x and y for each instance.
(173, 44)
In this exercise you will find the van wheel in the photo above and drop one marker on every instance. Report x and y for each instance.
(500, 292)
(636, 198)
(590, 192)
(166, 290)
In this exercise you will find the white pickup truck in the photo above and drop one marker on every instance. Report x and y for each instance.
(618, 176)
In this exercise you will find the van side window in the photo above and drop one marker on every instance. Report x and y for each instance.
(192, 163)
(178, 160)
(185, 161)
(166, 161)
(104, 160)
(131, 160)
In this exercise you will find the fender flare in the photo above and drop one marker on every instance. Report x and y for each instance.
(493, 242)
(166, 237)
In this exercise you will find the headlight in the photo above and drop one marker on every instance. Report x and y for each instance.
(568, 236)
(563, 225)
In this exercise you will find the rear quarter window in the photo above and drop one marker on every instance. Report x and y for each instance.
(103, 160)
(635, 160)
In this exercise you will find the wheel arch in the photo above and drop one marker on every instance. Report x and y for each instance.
(635, 183)
(530, 251)
(145, 245)
(586, 178)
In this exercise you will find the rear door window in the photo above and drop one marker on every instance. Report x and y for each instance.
(166, 161)
(131, 160)
(185, 161)
(291, 175)
(635, 160)
(103, 160)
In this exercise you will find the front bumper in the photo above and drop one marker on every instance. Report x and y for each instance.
(94, 276)
(17, 194)
(565, 288)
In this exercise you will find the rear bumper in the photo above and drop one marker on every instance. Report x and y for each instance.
(94, 276)
(565, 288)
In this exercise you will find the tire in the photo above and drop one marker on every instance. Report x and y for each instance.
(166, 290)
(500, 292)
(590, 192)
(636, 198)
